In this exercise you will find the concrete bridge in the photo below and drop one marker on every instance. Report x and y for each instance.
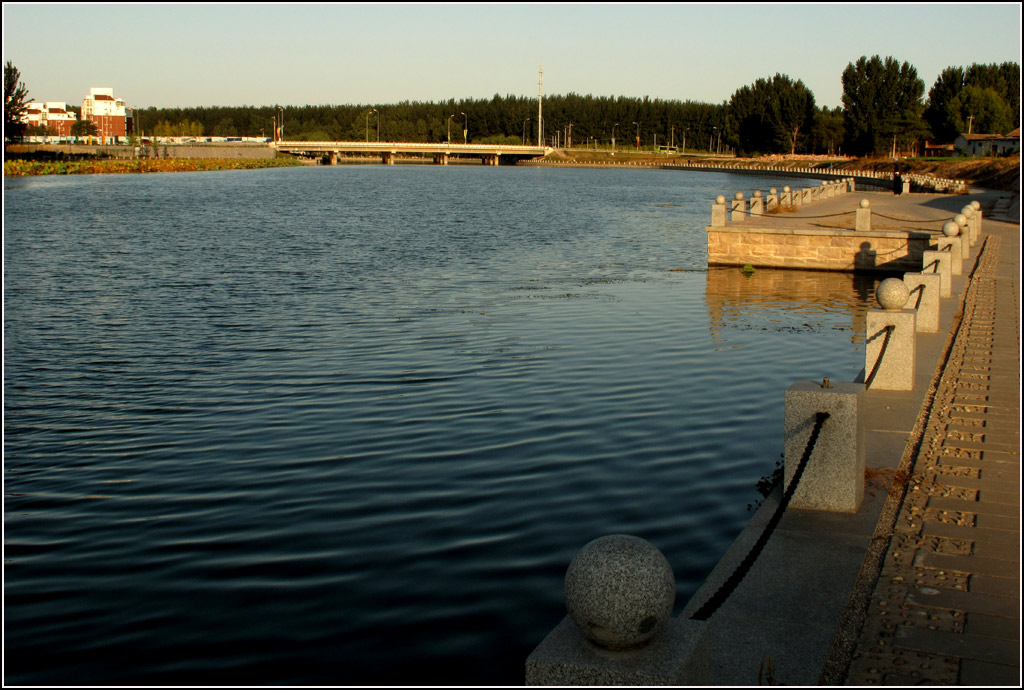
(490, 154)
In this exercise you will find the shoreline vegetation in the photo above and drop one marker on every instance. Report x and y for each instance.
(107, 166)
(994, 173)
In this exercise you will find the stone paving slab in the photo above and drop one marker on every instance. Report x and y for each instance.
(945, 606)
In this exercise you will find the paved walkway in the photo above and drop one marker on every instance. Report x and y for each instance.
(945, 607)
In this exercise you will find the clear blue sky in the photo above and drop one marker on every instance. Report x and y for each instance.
(203, 55)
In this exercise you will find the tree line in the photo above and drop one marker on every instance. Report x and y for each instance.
(884, 108)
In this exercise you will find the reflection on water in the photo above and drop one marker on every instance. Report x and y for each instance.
(775, 299)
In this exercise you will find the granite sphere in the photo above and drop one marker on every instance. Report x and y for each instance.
(951, 229)
(976, 204)
(864, 203)
(967, 211)
(720, 199)
(892, 294)
(739, 196)
(960, 219)
(620, 591)
(757, 193)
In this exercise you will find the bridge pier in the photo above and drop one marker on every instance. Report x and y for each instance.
(440, 159)
(489, 159)
(387, 157)
(332, 158)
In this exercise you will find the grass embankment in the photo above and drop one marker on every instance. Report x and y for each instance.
(991, 173)
(23, 168)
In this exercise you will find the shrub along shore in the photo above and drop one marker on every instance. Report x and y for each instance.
(24, 168)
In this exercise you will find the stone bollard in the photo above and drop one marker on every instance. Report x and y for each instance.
(815, 193)
(620, 591)
(773, 200)
(953, 244)
(851, 184)
(965, 240)
(863, 221)
(756, 204)
(833, 478)
(827, 190)
(976, 205)
(806, 196)
(718, 212)
(924, 297)
(787, 198)
(739, 208)
(968, 213)
(889, 361)
(934, 261)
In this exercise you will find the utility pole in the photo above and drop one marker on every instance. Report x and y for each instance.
(540, 108)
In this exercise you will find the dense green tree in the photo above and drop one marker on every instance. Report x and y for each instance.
(769, 116)
(882, 102)
(15, 103)
(84, 128)
(981, 99)
(827, 131)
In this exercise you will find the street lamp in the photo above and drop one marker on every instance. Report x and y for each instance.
(465, 129)
(637, 135)
(524, 130)
(613, 136)
(372, 110)
(450, 128)
(378, 124)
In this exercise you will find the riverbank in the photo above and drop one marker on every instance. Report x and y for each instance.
(991, 173)
(108, 166)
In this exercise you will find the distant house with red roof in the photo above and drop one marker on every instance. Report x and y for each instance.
(989, 144)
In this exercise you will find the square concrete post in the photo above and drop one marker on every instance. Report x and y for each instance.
(965, 243)
(976, 227)
(933, 261)
(718, 214)
(833, 478)
(924, 297)
(863, 221)
(678, 655)
(954, 247)
(739, 208)
(851, 184)
(815, 193)
(773, 200)
(806, 196)
(889, 362)
(756, 205)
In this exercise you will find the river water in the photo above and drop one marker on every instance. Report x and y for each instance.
(349, 425)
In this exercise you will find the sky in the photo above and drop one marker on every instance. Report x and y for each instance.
(178, 55)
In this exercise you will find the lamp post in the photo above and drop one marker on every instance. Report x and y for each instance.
(613, 136)
(450, 128)
(465, 129)
(684, 140)
(524, 130)
(372, 110)
(637, 135)
(378, 124)
(719, 151)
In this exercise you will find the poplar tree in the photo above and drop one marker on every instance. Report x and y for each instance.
(15, 103)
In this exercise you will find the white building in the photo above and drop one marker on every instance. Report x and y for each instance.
(109, 114)
(55, 116)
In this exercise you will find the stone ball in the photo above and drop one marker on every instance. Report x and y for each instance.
(786, 189)
(620, 591)
(951, 229)
(976, 204)
(864, 203)
(757, 193)
(720, 199)
(960, 219)
(967, 211)
(739, 196)
(892, 294)
(773, 191)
